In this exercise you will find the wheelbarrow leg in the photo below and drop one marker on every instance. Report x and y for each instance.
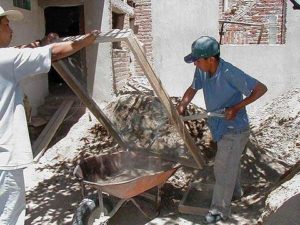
(157, 203)
(117, 206)
(82, 189)
(158, 198)
(102, 217)
(139, 208)
(100, 199)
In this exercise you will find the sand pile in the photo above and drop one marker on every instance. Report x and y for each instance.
(278, 134)
(278, 130)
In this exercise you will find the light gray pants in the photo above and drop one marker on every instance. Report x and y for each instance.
(227, 171)
(12, 197)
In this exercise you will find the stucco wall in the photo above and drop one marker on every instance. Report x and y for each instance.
(176, 24)
(183, 21)
(99, 57)
(31, 28)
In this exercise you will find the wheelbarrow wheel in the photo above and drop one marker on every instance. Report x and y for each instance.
(88, 211)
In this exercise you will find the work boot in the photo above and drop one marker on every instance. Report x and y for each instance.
(212, 218)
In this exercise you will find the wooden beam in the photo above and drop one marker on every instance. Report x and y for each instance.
(40, 145)
(185, 205)
(261, 25)
(241, 23)
(115, 35)
(79, 90)
(47, 3)
(156, 84)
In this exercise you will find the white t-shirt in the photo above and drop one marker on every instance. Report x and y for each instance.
(15, 65)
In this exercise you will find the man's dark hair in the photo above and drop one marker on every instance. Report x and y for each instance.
(217, 56)
(1, 17)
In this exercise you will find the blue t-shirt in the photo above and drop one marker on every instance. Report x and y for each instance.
(223, 90)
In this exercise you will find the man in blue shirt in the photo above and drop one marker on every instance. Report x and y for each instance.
(224, 87)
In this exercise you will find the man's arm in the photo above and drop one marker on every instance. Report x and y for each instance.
(61, 50)
(186, 99)
(50, 38)
(259, 90)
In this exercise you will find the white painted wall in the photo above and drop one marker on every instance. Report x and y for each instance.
(177, 23)
(31, 28)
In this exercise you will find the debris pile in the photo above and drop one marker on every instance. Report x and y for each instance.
(143, 123)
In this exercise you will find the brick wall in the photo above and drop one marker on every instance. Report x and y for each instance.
(143, 20)
(271, 13)
(121, 65)
(121, 62)
(124, 64)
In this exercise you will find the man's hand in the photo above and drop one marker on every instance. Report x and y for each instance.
(95, 33)
(50, 38)
(230, 113)
(180, 108)
(186, 99)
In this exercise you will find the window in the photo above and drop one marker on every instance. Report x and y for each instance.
(117, 23)
(24, 4)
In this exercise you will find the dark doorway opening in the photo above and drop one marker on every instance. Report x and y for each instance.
(65, 21)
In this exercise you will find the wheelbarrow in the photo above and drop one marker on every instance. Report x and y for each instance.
(124, 175)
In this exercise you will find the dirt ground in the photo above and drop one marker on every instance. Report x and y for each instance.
(53, 194)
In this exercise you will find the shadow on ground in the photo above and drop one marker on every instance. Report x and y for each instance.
(54, 200)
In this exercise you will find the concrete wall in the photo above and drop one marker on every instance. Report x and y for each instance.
(99, 57)
(184, 20)
(31, 28)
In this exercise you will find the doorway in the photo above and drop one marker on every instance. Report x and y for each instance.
(66, 21)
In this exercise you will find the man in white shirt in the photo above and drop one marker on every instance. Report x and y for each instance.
(15, 149)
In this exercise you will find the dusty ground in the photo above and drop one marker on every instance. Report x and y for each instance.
(53, 194)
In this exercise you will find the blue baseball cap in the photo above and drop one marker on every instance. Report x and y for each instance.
(203, 47)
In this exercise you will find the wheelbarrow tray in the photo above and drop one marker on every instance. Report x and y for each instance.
(125, 174)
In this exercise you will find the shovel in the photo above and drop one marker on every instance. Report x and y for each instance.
(204, 115)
